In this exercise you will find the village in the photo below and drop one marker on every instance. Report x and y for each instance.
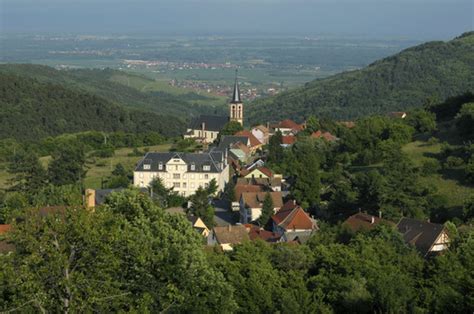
(246, 188)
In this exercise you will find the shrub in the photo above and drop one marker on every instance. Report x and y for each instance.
(453, 162)
(430, 166)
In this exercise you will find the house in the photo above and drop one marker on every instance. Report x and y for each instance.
(241, 188)
(255, 164)
(184, 172)
(256, 232)
(226, 142)
(288, 140)
(240, 152)
(324, 135)
(198, 225)
(428, 238)
(268, 184)
(251, 204)
(363, 221)
(206, 128)
(261, 133)
(5, 246)
(255, 144)
(287, 127)
(97, 197)
(293, 224)
(261, 172)
(397, 114)
(228, 236)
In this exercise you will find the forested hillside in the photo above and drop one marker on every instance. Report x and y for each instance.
(434, 70)
(30, 110)
(102, 83)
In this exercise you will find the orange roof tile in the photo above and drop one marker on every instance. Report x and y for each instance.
(5, 228)
(363, 221)
(290, 124)
(239, 189)
(288, 139)
(295, 218)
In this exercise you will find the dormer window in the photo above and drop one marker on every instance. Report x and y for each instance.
(146, 167)
(206, 168)
(160, 166)
(193, 167)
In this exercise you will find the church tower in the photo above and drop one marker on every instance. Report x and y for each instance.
(236, 107)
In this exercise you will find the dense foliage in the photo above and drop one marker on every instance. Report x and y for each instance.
(31, 110)
(433, 70)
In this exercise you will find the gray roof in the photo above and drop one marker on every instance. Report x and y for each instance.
(419, 233)
(101, 194)
(228, 140)
(214, 159)
(236, 93)
(211, 123)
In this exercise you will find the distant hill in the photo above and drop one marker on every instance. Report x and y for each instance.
(435, 70)
(111, 85)
(31, 109)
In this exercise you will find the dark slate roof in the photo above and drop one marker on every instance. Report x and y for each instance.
(199, 160)
(212, 123)
(228, 140)
(419, 233)
(236, 93)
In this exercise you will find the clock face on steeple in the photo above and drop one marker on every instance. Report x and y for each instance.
(236, 107)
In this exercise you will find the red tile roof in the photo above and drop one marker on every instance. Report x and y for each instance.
(363, 221)
(291, 204)
(290, 124)
(295, 218)
(326, 135)
(256, 232)
(254, 142)
(241, 188)
(288, 139)
(5, 228)
(255, 199)
(264, 170)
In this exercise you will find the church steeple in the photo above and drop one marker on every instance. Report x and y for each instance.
(236, 94)
(236, 107)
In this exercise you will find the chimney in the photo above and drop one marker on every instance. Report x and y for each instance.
(90, 198)
(229, 228)
(203, 126)
(380, 214)
(372, 220)
(294, 202)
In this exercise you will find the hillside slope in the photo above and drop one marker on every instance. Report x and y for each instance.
(431, 70)
(104, 83)
(30, 110)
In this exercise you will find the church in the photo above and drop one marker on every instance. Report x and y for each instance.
(206, 128)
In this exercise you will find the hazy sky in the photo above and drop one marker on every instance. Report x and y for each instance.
(417, 19)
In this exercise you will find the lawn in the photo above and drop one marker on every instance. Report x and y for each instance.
(454, 191)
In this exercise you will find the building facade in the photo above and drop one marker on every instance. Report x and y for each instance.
(184, 172)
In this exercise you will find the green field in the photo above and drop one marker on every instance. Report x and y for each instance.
(455, 192)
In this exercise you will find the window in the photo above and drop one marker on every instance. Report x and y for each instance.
(160, 166)
(206, 168)
(193, 167)
(184, 185)
(200, 176)
(206, 176)
(176, 176)
(206, 185)
(192, 176)
(212, 135)
(177, 168)
(147, 167)
(176, 185)
(192, 185)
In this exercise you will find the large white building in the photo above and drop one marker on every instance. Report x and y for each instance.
(184, 172)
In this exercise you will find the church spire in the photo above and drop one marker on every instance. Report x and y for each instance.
(236, 94)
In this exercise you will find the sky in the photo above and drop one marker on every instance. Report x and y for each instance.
(412, 19)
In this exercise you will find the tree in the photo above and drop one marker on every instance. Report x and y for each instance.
(230, 128)
(67, 164)
(267, 210)
(29, 175)
(212, 187)
(306, 186)
(465, 120)
(201, 207)
(312, 125)
(275, 151)
(423, 121)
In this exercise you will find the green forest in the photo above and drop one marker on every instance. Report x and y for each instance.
(432, 71)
